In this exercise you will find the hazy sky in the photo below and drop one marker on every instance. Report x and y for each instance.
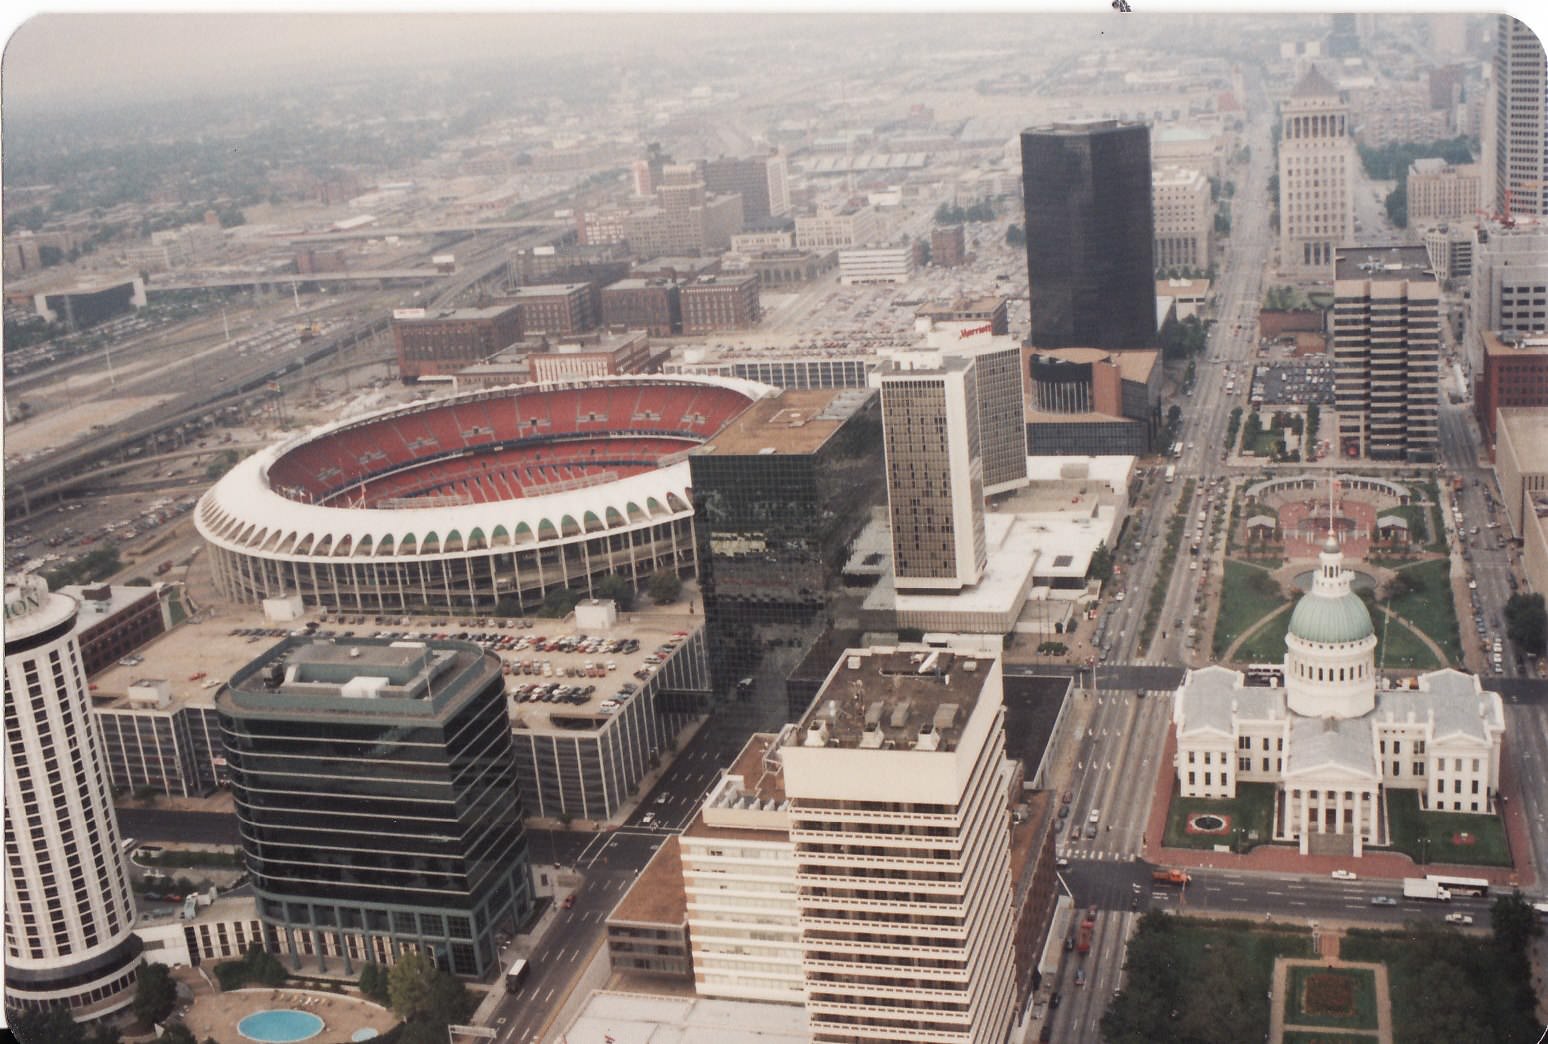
(65, 59)
(73, 57)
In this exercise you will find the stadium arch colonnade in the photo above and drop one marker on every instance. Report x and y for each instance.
(476, 502)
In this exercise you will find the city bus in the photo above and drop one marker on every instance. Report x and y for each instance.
(517, 975)
(1171, 472)
(1460, 885)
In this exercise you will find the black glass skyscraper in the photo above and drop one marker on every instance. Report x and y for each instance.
(376, 792)
(779, 496)
(1090, 235)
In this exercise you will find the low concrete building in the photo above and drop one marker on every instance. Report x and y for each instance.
(647, 932)
(582, 755)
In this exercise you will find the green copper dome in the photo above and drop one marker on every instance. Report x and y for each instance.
(1318, 618)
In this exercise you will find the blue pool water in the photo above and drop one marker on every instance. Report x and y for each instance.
(280, 1026)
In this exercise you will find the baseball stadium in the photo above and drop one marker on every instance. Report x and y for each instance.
(477, 502)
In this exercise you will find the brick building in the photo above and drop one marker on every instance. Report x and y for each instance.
(592, 355)
(720, 303)
(1514, 374)
(115, 621)
(948, 246)
(653, 305)
(560, 309)
(443, 342)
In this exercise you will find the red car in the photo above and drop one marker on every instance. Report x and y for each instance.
(569, 901)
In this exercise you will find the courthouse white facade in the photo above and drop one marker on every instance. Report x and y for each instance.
(1329, 739)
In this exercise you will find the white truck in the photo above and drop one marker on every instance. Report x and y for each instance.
(1420, 888)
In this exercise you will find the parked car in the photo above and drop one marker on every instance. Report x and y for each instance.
(1344, 875)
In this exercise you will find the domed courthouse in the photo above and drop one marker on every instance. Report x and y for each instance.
(1330, 740)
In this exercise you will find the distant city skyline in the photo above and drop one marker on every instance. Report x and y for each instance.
(61, 60)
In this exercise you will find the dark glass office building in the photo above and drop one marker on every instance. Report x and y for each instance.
(779, 496)
(1090, 235)
(376, 793)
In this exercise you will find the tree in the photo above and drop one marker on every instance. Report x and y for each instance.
(1526, 622)
(409, 985)
(664, 587)
(177, 1033)
(450, 1000)
(1397, 205)
(1514, 922)
(614, 587)
(155, 995)
(559, 602)
(51, 1026)
(373, 983)
(1014, 236)
(1102, 562)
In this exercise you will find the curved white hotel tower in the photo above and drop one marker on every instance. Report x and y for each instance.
(68, 909)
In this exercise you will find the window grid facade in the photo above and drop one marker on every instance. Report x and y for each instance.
(69, 914)
(1316, 168)
(935, 483)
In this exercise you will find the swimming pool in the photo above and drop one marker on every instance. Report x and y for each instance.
(281, 1026)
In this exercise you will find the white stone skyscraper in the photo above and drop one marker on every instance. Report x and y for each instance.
(898, 788)
(1519, 130)
(1316, 177)
(69, 913)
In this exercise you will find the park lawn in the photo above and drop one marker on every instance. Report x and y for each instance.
(1400, 647)
(1364, 1015)
(1268, 443)
(1252, 810)
(1327, 1037)
(1430, 606)
(1267, 643)
(1408, 824)
(1246, 597)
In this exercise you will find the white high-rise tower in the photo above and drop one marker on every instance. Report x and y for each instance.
(1519, 130)
(69, 913)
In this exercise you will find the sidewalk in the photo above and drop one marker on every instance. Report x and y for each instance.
(1284, 859)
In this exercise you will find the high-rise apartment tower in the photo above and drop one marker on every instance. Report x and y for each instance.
(69, 914)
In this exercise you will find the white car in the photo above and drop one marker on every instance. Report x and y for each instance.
(648, 819)
(1459, 918)
(1345, 875)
